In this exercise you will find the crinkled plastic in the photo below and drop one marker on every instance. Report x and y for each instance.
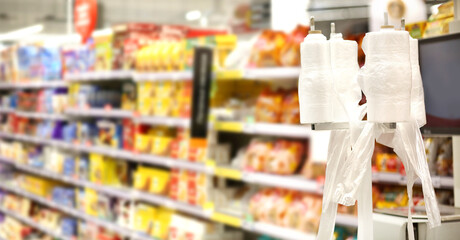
(344, 55)
(417, 96)
(315, 80)
(387, 76)
(337, 152)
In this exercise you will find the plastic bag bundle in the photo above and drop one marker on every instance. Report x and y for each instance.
(315, 80)
(387, 76)
(348, 174)
(417, 97)
(344, 55)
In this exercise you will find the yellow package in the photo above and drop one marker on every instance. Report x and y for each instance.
(145, 98)
(96, 168)
(178, 55)
(155, 56)
(161, 138)
(161, 145)
(38, 186)
(105, 170)
(161, 223)
(90, 202)
(144, 217)
(143, 143)
(151, 179)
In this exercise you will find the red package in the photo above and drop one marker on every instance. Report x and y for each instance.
(128, 134)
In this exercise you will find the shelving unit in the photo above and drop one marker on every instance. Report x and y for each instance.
(34, 85)
(33, 224)
(135, 195)
(73, 212)
(99, 112)
(263, 74)
(268, 129)
(128, 74)
(116, 153)
(271, 129)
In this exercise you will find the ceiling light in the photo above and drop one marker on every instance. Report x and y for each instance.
(21, 33)
(193, 15)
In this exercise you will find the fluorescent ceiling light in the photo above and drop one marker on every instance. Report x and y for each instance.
(20, 33)
(193, 15)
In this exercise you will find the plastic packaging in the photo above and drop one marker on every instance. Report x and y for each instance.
(344, 55)
(387, 76)
(315, 80)
(417, 96)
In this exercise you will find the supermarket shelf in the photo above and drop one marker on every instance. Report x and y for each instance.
(272, 73)
(265, 74)
(75, 213)
(6, 110)
(164, 121)
(128, 74)
(38, 115)
(32, 85)
(33, 224)
(272, 129)
(116, 153)
(289, 182)
(277, 232)
(346, 220)
(99, 75)
(159, 76)
(119, 192)
(136, 195)
(396, 178)
(99, 112)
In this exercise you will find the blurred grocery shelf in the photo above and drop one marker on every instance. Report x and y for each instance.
(163, 121)
(67, 210)
(272, 129)
(263, 74)
(276, 231)
(159, 76)
(396, 178)
(33, 224)
(116, 153)
(99, 112)
(128, 74)
(34, 85)
(6, 110)
(38, 115)
(99, 75)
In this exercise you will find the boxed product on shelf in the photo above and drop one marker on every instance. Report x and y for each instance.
(110, 134)
(9, 64)
(151, 180)
(37, 185)
(78, 58)
(107, 171)
(64, 196)
(128, 96)
(189, 186)
(127, 39)
(104, 54)
(278, 157)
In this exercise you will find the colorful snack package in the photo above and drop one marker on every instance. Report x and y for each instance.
(269, 106)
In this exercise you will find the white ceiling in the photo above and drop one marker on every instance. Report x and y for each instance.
(16, 14)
